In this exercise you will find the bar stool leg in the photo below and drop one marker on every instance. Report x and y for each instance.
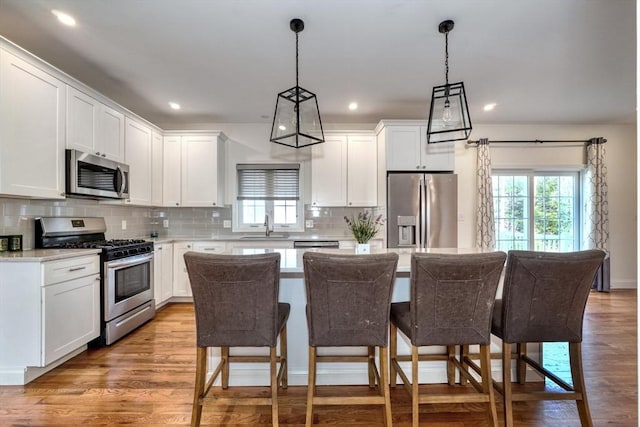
(577, 376)
(506, 384)
(311, 385)
(371, 363)
(273, 364)
(521, 366)
(393, 344)
(384, 386)
(464, 353)
(415, 397)
(201, 372)
(451, 368)
(487, 383)
(225, 367)
(284, 361)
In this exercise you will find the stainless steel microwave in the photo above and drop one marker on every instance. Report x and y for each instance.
(95, 177)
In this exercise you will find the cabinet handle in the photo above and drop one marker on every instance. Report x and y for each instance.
(350, 203)
(188, 246)
(104, 155)
(424, 167)
(418, 167)
(97, 153)
(214, 203)
(177, 204)
(77, 268)
(209, 249)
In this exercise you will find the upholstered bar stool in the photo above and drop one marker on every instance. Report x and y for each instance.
(544, 298)
(348, 299)
(236, 305)
(452, 297)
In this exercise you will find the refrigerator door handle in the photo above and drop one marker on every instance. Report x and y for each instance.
(423, 214)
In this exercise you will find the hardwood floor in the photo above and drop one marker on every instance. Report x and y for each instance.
(146, 379)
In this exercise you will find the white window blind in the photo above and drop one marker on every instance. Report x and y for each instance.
(268, 181)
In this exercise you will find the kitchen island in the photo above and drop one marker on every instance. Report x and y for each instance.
(292, 291)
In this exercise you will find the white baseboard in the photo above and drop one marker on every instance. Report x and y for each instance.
(21, 375)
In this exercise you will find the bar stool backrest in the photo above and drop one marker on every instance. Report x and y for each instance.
(545, 295)
(452, 297)
(348, 298)
(235, 298)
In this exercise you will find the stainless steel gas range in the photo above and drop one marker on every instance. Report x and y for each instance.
(126, 270)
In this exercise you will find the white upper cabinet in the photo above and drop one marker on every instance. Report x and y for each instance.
(361, 171)
(32, 130)
(94, 128)
(406, 149)
(329, 172)
(138, 139)
(194, 170)
(171, 168)
(343, 171)
(157, 158)
(110, 136)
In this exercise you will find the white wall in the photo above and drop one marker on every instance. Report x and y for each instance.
(250, 143)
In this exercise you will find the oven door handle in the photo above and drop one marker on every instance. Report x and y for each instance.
(130, 263)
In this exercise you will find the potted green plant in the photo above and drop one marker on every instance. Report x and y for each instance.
(364, 227)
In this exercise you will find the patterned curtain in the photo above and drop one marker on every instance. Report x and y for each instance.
(597, 208)
(485, 227)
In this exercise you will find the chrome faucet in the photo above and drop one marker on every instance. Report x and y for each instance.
(268, 225)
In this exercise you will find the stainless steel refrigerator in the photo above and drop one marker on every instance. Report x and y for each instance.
(422, 210)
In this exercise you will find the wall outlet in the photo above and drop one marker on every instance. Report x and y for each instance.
(165, 223)
(124, 224)
(226, 223)
(308, 223)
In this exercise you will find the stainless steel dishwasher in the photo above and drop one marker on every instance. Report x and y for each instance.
(329, 244)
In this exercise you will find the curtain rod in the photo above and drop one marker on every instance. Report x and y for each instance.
(538, 141)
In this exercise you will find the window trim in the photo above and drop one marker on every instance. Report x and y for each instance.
(237, 226)
(578, 208)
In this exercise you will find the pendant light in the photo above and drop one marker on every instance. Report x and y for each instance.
(449, 113)
(296, 121)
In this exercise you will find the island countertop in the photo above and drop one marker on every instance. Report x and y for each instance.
(291, 259)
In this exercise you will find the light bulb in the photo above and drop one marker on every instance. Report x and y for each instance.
(446, 112)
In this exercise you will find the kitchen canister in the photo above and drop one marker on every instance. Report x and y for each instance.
(15, 242)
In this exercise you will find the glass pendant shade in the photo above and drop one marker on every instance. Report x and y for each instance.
(449, 114)
(296, 121)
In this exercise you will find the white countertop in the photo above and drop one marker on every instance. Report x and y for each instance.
(41, 255)
(291, 259)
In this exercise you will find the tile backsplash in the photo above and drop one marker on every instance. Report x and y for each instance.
(18, 218)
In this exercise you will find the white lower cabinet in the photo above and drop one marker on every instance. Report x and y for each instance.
(163, 272)
(181, 285)
(71, 313)
(51, 310)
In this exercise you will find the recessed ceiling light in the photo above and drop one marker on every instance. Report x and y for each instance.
(174, 105)
(65, 18)
(282, 127)
(489, 107)
(353, 106)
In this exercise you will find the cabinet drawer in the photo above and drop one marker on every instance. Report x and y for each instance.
(209, 247)
(70, 268)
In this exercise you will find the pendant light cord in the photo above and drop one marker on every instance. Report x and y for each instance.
(297, 84)
(446, 58)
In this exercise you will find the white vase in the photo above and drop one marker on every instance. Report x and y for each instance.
(363, 248)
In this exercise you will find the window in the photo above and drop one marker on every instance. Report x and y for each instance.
(268, 189)
(537, 210)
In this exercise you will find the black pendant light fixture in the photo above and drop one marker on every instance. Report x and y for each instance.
(296, 122)
(449, 113)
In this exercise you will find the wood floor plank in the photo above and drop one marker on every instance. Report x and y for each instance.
(146, 379)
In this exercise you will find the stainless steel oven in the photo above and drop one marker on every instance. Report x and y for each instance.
(128, 294)
(127, 271)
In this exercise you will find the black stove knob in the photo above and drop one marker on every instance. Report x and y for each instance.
(118, 254)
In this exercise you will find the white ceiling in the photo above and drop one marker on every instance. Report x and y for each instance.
(541, 61)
